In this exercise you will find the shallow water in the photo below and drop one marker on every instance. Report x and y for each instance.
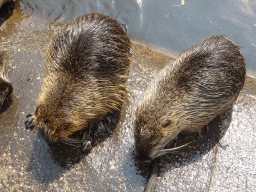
(166, 25)
(26, 162)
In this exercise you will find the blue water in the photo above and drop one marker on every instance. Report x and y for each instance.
(167, 23)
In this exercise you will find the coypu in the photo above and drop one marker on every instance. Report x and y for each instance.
(5, 86)
(200, 84)
(6, 10)
(87, 64)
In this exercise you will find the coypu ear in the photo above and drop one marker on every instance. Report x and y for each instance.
(64, 127)
(166, 123)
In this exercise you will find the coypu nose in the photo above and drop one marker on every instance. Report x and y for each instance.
(142, 155)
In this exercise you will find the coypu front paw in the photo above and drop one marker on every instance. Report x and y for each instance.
(30, 122)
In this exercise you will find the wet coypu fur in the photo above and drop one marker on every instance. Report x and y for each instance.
(200, 84)
(87, 64)
(5, 86)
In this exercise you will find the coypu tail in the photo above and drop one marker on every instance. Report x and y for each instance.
(154, 170)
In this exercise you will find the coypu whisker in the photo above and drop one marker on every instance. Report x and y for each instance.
(71, 140)
(175, 148)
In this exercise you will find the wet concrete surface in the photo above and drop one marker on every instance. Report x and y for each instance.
(224, 159)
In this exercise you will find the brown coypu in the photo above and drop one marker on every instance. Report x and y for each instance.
(6, 10)
(200, 84)
(5, 86)
(87, 64)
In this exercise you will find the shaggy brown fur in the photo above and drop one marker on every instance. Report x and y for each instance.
(87, 65)
(201, 83)
(5, 86)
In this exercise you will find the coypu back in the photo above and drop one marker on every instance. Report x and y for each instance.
(90, 45)
(5, 86)
(201, 83)
(87, 64)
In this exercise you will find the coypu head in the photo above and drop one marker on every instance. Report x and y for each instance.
(51, 123)
(62, 111)
(152, 135)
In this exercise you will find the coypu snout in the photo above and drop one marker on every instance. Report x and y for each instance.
(142, 155)
(148, 140)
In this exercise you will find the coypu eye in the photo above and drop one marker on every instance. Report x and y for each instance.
(64, 127)
(166, 123)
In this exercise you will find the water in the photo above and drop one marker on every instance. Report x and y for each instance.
(166, 24)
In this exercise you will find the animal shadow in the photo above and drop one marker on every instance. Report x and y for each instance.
(6, 104)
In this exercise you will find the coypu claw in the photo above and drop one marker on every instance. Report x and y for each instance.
(87, 146)
(87, 140)
(29, 123)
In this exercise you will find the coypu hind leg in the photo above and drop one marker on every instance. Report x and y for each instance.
(106, 126)
(91, 135)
